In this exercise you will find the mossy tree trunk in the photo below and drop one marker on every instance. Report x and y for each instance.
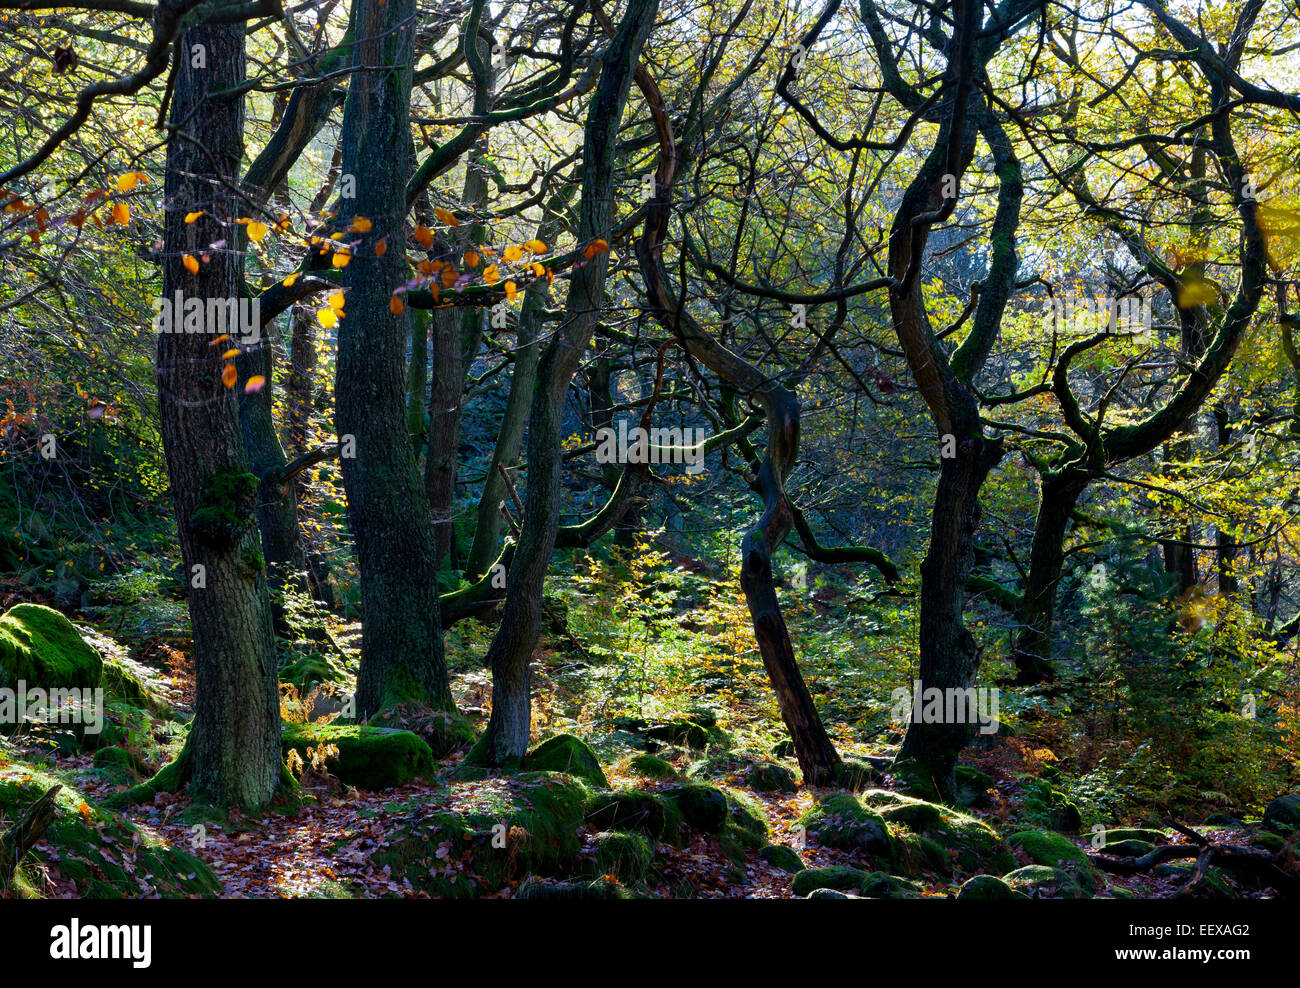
(401, 643)
(234, 743)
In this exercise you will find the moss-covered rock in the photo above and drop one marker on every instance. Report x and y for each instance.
(41, 648)
(746, 814)
(939, 837)
(1116, 834)
(124, 764)
(988, 887)
(769, 776)
(1130, 848)
(368, 757)
(973, 786)
(625, 856)
(841, 878)
(103, 854)
(628, 810)
(567, 753)
(652, 767)
(1282, 815)
(1042, 882)
(785, 858)
(703, 807)
(1053, 850)
(444, 731)
(840, 821)
(520, 825)
(882, 885)
(306, 671)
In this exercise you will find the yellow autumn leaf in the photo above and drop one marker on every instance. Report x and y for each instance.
(288, 282)
(490, 274)
(191, 263)
(337, 301)
(229, 376)
(446, 216)
(256, 231)
(327, 317)
(511, 290)
(513, 253)
(230, 354)
(121, 213)
(191, 217)
(254, 384)
(127, 182)
(360, 224)
(536, 246)
(341, 258)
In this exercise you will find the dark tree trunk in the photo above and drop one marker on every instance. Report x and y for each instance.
(1032, 648)
(506, 739)
(233, 751)
(401, 644)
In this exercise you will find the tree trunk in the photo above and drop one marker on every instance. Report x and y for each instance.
(234, 743)
(506, 739)
(401, 643)
(1032, 649)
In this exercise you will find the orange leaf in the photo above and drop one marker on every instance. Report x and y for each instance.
(471, 258)
(396, 306)
(511, 290)
(229, 376)
(513, 253)
(254, 384)
(490, 274)
(446, 216)
(191, 263)
(536, 246)
(360, 224)
(381, 247)
(423, 236)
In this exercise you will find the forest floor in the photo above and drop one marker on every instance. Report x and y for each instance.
(325, 846)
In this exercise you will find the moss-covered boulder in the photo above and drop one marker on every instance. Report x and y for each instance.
(652, 767)
(703, 807)
(840, 821)
(938, 837)
(882, 885)
(841, 878)
(1042, 882)
(746, 814)
(629, 810)
(622, 855)
(520, 825)
(988, 887)
(1130, 848)
(444, 731)
(783, 858)
(121, 764)
(1116, 834)
(368, 757)
(973, 786)
(41, 648)
(1053, 850)
(1282, 815)
(567, 753)
(103, 855)
(770, 776)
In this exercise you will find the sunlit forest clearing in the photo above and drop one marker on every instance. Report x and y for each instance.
(650, 449)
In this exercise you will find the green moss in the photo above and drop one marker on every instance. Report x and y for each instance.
(564, 891)
(126, 682)
(524, 824)
(882, 885)
(842, 822)
(1130, 848)
(1214, 885)
(1133, 833)
(652, 767)
(628, 809)
(567, 753)
(1040, 881)
(782, 857)
(305, 671)
(988, 887)
(703, 807)
(368, 757)
(768, 776)
(104, 855)
(838, 877)
(747, 814)
(225, 508)
(444, 731)
(40, 647)
(625, 856)
(963, 841)
(1056, 851)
